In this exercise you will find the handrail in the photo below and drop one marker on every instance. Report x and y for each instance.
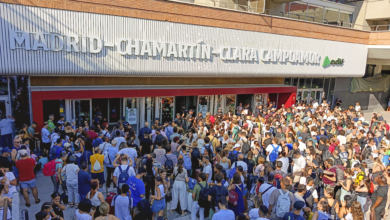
(5, 209)
(382, 25)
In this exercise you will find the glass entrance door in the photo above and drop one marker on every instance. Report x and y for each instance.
(82, 111)
(203, 105)
(5, 107)
(308, 95)
(167, 109)
(132, 112)
(229, 104)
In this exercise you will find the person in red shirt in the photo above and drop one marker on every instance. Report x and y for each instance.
(26, 167)
(92, 134)
(329, 177)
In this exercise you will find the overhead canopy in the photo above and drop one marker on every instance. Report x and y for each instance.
(379, 51)
(377, 83)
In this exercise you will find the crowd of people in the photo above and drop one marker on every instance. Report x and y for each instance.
(307, 161)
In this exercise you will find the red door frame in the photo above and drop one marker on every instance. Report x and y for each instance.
(37, 97)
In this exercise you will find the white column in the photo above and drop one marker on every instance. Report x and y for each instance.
(212, 104)
(157, 102)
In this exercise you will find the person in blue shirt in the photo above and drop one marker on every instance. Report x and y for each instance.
(98, 140)
(169, 130)
(298, 206)
(122, 203)
(108, 161)
(137, 187)
(124, 122)
(142, 130)
(223, 213)
(322, 134)
(84, 181)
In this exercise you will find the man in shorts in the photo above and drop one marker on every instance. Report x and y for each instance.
(26, 167)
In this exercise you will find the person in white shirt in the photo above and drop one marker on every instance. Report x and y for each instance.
(271, 147)
(361, 118)
(315, 104)
(302, 145)
(341, 137)
(299, 163)
(119, 139)
(285, 161)
(311, 187)
(266, 189)
(207, 168)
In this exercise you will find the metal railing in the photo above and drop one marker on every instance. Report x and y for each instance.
(252, 7)
(258, 8)
(380, 27)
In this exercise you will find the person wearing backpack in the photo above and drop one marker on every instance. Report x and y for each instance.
(233, 156)
(200, 192)
(336, 158)
(295, 215)
(97, 168)
(122, 172)
(217, 192)
(281, 200)
(330, 174)
(238, 163)
(55, 151)
(187, 160)
(122, 203)
(208, 147)
(169, 161)
(57, 178)
(272, 151)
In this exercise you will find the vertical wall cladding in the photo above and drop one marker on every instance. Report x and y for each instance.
(109, 61)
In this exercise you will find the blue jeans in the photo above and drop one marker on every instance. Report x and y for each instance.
(362, 200)
(6, 140)
(158, 205)
(195, 208)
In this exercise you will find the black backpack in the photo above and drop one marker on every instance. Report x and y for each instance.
(309, 199)
(208, 148)
(233, 157)
(251, 164)
(144, 210)
(203, 200)
(245, 147)
(169, 165)
(337, 161)
(195, 153)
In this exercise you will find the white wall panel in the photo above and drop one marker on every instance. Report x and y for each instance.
(110, 62)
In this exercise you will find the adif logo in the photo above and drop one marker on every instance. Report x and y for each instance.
(328, 62)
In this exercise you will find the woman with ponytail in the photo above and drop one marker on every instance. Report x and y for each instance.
(95, 196)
